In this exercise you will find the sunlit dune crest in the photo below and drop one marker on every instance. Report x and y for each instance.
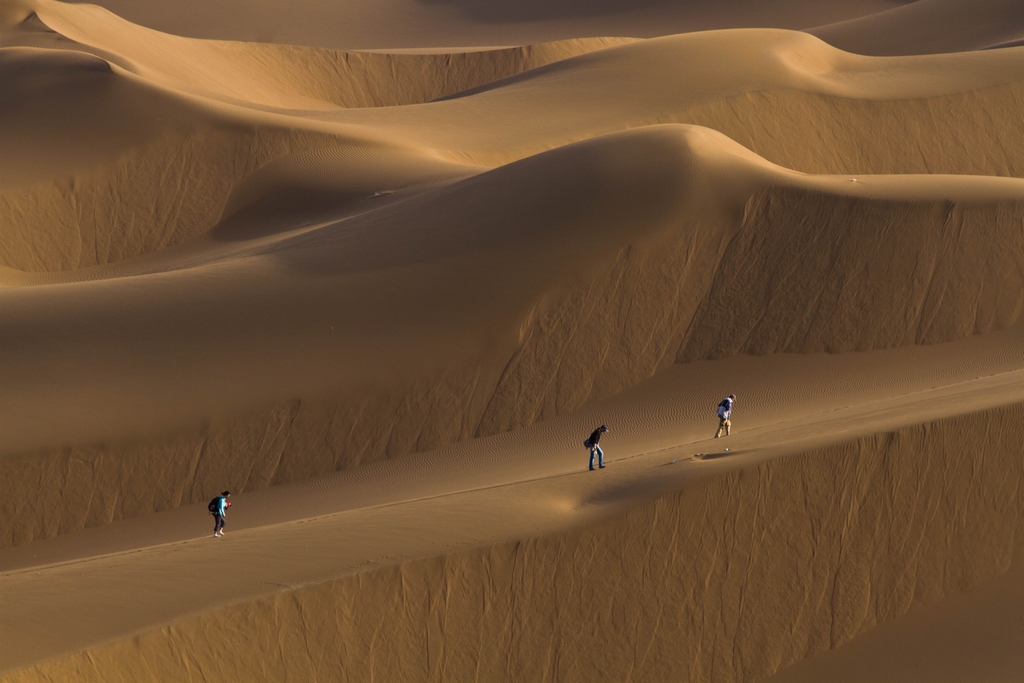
(381, 282)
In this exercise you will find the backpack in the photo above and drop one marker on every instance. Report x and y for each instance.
(722, 408)
(214, 506)
(588, 444)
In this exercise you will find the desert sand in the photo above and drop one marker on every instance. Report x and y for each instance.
(380, 268)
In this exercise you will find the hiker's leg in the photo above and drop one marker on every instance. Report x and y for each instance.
(592, 449)
(721, 425)
(728, 426)
(600, 456)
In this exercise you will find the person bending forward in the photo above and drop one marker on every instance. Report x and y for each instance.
(592, 444)
(724, 413)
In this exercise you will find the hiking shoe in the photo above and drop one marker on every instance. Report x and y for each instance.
(601, 467)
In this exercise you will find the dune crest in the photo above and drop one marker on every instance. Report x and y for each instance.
(778, 93)
(382, 297)
(794, 542)
(560, 249)
(412, 24)
(924, 27)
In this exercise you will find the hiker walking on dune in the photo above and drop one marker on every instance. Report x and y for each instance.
(218, 507)
(592, 442)
(724, 413)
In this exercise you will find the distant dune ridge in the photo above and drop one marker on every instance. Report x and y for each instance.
(383, 296)
(928, 26)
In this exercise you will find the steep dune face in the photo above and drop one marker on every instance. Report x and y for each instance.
(732, 579)
(916, 253)
(336, 280)
(592, 267)
(816, 134)
(777, 281)
(160, 195)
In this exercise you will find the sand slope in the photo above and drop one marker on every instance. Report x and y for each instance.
(384, 296)
(412, 24)
(928, 645)
(543, 269)
(925, 27)
(804, 545)
(786, 96)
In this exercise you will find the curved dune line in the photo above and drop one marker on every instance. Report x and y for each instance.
(800, 535)
(158, 165)
(282, 76)
(283, 270)
(591, 271)
(924, 27)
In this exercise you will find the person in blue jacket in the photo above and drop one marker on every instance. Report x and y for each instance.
(219, 508)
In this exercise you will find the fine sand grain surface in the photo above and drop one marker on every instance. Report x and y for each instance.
(379, 268)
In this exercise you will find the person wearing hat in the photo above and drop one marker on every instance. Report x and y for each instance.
(724, 413)
(592, 442)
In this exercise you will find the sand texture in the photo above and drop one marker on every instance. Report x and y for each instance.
(379, 268)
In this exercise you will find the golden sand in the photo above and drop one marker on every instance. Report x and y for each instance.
(382, 295)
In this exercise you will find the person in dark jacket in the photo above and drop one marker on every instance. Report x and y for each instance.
(592, 444)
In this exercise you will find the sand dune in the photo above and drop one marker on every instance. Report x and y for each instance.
(821, 111)
(383, 296)
(926, 645)
(924, 27)
(281, 76)
(412, 24)
(572, 237)
(914, 488)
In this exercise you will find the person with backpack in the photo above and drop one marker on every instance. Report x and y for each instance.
(592, 442)
(218, 507)
(724, 413)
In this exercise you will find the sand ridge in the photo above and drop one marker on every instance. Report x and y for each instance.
(261, 550)
(232, 134)
(923, 27)
(518, 305)
(382, 296)
(414, 25)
